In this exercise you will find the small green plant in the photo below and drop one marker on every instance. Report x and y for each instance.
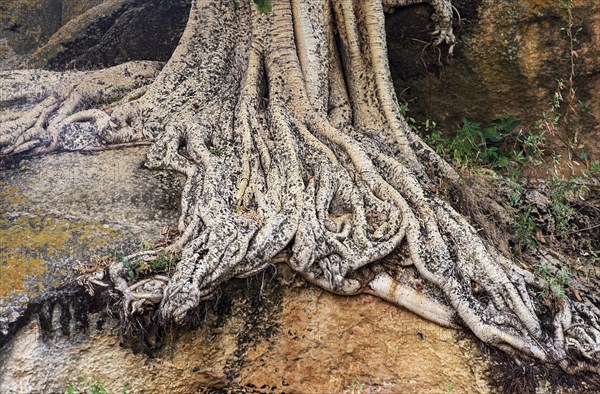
(500, 145)
(264, 6)
(563, 213)
(97, 388)
(594, 170)
(555, 282)
(525, 229)
(89, 387)
(561, 192)
(514, 191)
(356, 387)
(118, 93)
(215, 151)
(162, 263)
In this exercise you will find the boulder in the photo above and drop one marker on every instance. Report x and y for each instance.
(89, 34)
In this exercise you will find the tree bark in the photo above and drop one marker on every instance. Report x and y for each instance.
(289, 132)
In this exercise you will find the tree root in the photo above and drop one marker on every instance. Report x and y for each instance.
(66, 103)
(292, 139)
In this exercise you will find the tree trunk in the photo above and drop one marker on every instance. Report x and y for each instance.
(289, 132)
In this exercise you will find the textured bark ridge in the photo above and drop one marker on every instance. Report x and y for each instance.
(289, 132)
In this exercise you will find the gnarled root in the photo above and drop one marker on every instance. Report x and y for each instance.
(294, 139)
(53, 111)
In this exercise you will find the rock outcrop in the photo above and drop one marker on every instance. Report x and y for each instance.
(270, 334)
(509, 56)
(89, 34)
(59, 209)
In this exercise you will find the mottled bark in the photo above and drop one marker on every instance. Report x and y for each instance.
(289, 132)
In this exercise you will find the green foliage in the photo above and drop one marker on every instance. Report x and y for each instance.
(555, 282)
(523, 225)
(163, 263)
(97, 388)
(514, 190)
(118, 93)
(94, 387)
(215, 151)
(264, 6)
(565, 4)
(500, 145)
(506, 147)
(594, 170)
(356, 387)
(525, 228)
(561, 192)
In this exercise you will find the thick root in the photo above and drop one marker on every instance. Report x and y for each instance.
(293, 139)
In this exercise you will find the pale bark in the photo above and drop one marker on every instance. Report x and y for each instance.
(289, 132)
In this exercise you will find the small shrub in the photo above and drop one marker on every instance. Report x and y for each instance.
(525, 229)
(97, 388)
(594, 170)
(561, 192)
(555, 283)
(500, 144)
(118, 93)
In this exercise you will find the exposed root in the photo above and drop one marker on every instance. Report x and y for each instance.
(293, 139)
(65, 113)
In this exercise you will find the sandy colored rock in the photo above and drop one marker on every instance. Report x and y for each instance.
(294, 339)
(509, 57)
(78, 34)
(67, 207)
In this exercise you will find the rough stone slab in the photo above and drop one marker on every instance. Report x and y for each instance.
(71, 206)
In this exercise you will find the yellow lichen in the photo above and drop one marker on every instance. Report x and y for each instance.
(14, 269)
(9, 196)
(27, 242)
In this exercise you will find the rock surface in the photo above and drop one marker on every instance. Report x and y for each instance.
(272, 337)
(27, 25)
(71, 206)
(89, 33)
(272, 333)
(509, 56)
